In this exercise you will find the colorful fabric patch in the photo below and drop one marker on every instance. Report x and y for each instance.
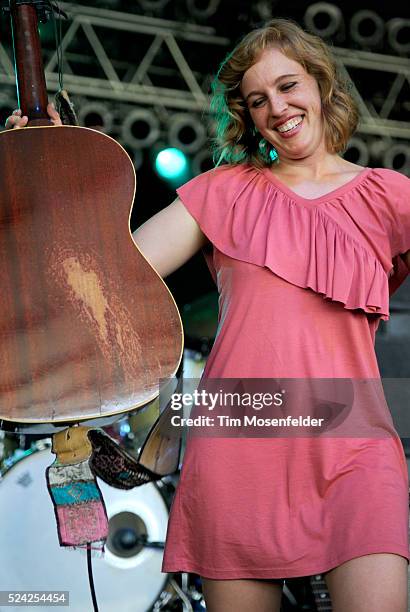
(78, 504)
(75, 493)
(82, 524)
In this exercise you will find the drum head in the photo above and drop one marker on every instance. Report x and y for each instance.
(128, 577)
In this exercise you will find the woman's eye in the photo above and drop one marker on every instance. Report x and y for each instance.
(288, 86)
(257, 103)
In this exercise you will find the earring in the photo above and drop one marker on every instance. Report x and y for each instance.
(273, 154)
(268, 150)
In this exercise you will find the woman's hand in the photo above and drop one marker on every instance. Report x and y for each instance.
(17, 120)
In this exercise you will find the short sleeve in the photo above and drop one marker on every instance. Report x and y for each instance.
(209, 197)
(394, 189)
(397, 202)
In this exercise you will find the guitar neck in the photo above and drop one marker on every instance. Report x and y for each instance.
(31, 83)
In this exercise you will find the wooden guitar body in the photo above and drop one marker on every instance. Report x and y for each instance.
(87, 326)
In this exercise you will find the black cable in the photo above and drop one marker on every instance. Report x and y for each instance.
(90, 577)
(54, 7)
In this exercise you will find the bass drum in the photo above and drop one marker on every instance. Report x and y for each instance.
(128, 577)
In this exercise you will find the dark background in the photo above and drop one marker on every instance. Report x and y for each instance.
(231, 19)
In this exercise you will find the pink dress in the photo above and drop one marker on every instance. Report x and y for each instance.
(303, 284)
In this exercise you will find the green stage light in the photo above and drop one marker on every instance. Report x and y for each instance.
(171, 163)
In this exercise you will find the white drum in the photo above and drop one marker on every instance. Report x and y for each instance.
(128, 578)
(193, 364)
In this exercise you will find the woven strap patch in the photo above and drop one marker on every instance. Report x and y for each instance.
(78, 504)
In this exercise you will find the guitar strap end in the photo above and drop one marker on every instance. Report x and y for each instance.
(65, 108)
(78, 503)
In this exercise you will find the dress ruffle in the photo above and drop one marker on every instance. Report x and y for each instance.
(249, 219)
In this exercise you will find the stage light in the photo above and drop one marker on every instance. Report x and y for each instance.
(397, 157)
(96, 115)
(171, 164)
(367, 28)
(357, 151)
(398, 34)
(140, 128)
(186, 132)
(202, 162)
(323, 19)
(203, 9)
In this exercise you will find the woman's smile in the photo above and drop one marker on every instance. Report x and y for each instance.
(291, 127)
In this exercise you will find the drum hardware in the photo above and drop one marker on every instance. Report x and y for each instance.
(136, 519)
(186, 604)
(133, 555)
(291, 599)
(185, 597)
(130, 583)
(47, 429)
(193, 364)
(304, 593)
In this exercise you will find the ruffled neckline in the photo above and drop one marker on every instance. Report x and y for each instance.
(295, 237)
(334, 193)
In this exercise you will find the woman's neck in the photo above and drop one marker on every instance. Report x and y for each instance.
(313, 167)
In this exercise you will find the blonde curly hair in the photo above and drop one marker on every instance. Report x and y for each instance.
(236, 141)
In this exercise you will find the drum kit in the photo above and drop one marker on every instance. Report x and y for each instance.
(127, 576)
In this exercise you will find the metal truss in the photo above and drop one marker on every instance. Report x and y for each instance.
(137, 88)
(371, 121)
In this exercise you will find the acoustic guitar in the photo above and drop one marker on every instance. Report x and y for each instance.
(88, 328)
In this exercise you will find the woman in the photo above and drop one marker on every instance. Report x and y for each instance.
(302, 252)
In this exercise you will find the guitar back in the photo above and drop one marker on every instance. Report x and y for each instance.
(87, 326)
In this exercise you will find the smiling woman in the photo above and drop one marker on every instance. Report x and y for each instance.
(305, 251)
(273, 69)
(287, 234)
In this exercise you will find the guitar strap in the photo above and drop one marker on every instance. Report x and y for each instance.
(65, 108)
(114, 465)
(78, 503)
(82, 454)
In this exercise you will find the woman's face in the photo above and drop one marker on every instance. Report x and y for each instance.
(284, 104)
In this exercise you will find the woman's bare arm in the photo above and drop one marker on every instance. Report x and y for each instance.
(169, 238)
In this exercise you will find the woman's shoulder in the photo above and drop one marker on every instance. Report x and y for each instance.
(228, 170)
(390, 177)
(220, 178)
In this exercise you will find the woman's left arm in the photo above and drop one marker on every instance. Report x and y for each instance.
(406, 259)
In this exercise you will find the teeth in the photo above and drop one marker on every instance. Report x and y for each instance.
(289, 125)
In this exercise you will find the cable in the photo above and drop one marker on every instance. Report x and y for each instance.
(54, 7)
(90, 577)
